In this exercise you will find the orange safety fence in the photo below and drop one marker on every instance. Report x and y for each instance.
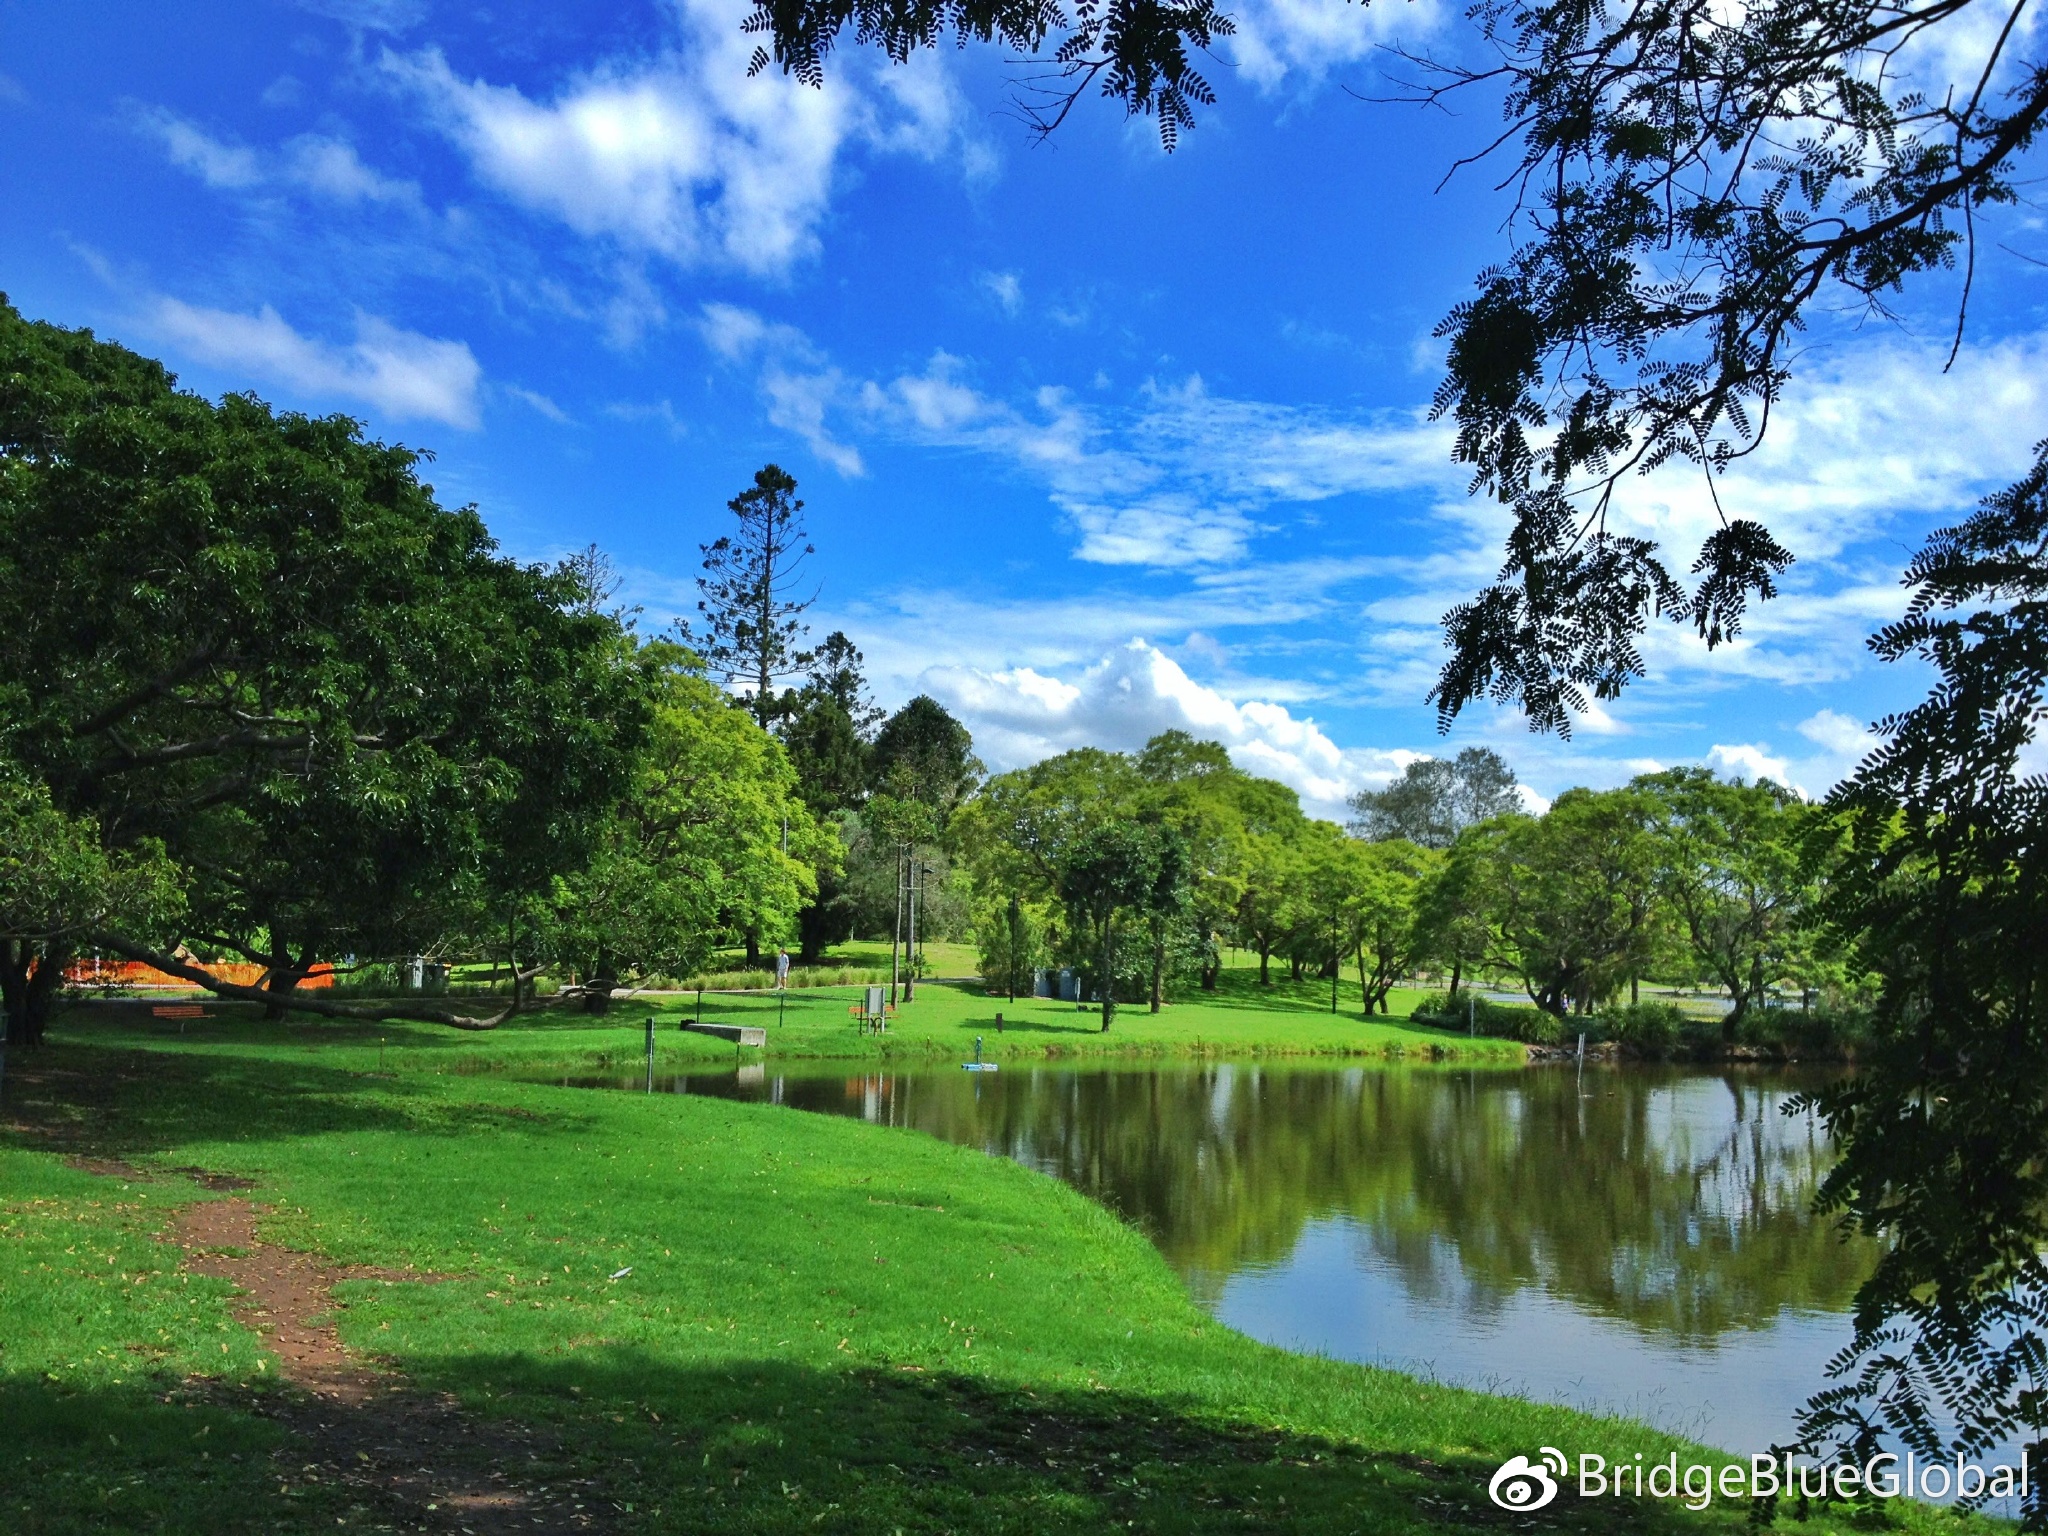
(133, 973)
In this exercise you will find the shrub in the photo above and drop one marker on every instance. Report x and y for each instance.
(1507, 1021)
(1652, 1028)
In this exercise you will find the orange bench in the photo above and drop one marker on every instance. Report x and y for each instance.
(179, 1011)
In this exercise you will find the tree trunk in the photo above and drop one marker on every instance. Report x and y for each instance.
(1107, 979)
(753, 938)
(1265, 966)
(28, 983)
(1457, 975)
(1158, 967)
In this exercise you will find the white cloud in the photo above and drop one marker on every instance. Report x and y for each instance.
(1749, 762)
(795, 381)
(1179, 480)
(687, 156)
(398, 372)
(332, 168)
(1125, 698)
(12, 92)
(1006, 289)
(1835, 732)
(325, 166)
(1279, 42)
(191, 148)
(538, 402)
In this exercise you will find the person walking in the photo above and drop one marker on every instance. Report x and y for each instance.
(781, 969)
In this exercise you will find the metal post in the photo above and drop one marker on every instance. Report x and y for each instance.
(896, 937)
(1336, 967)
(910, 946)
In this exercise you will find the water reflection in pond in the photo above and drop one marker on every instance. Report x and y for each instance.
(1637, 1239)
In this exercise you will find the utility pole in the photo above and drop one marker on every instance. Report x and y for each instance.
(910, 948)
(896, 938)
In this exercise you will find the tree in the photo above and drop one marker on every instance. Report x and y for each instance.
(709, 840)
(1114, 870)
(825, 727)
(1457, 904)
(1730, 867)
(256, 640)
(922, 753)
(1435, 799)
(1009, 946)
(58, 883)
(1936, 854)
(1574, 891)
(1381, 912)
(747, 627)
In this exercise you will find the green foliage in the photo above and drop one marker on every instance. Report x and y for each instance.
(256, 639)
(1731, 869)
(1485, 1016)
(923, 755)
(1937, 851)
(1009, 941)
(693, 853)
(747, 629)
(1648, 1028)
(1437, 798)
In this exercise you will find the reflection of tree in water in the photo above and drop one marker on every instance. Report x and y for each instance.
(1680, 1202)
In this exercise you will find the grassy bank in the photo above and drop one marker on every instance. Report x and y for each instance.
(815, 1324)
(1241, 1019)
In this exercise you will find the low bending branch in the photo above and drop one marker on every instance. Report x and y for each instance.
(423, 1013)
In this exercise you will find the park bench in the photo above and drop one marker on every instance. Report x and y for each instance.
(178, 1011)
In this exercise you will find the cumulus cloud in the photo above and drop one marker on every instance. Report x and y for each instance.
(1282, 43)
(687, 156)
(398, 372)
(1020, 715)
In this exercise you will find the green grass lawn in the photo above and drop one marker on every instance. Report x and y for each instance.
(827, 1325)
(1239, 1019)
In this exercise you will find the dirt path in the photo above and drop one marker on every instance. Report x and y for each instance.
(412, 1459)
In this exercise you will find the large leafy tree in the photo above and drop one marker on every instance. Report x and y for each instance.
(825, 726)
(1731, 871)
(1436, 798)
(1574, 894)
(709, 839)
(256, 640)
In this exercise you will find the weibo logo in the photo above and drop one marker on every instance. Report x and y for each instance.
(1522, 1484)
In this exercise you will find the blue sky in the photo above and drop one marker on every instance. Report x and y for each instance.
(1094, 440)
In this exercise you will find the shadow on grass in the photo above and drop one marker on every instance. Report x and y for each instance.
(142, 1457)
(773, 1446)
(123, 1103)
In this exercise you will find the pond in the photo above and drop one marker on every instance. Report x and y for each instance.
(1637, 1240)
